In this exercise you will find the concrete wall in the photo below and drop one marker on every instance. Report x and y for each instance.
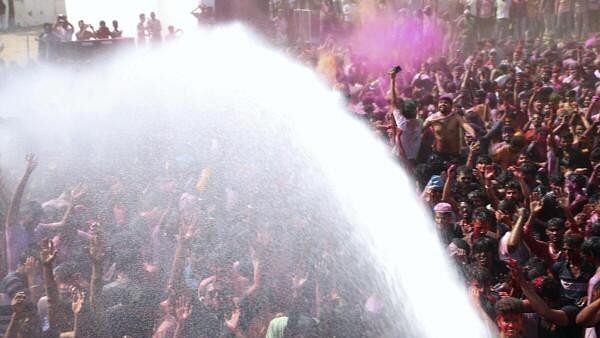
(36, 12)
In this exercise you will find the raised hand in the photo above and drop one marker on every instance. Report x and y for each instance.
(489, 172)
(18, 303)
(97, 245)
(78, 301)
(233, 322)
(47, 252)
(536, 205)
(451, 172)
(77, 192)
(188, 227)
(32, 162)
(183, 309)
(31, 266)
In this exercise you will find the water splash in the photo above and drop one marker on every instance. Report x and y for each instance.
(269, 115)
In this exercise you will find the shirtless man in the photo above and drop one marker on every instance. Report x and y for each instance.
(446, 127)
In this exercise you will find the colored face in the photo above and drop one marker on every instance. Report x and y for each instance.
(443, 218)
(480, 228)
(444, 106)
(554, 234)
(510, 324)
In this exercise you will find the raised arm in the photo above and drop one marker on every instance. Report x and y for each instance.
(13, 210)
(589, 315)
(47, 257)
(187, 231)
(516, 233)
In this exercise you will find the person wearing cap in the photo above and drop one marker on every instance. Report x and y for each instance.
(447, 128)
(444, 221)
(432, 194)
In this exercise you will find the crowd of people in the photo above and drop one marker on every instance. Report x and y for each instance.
(497, 118)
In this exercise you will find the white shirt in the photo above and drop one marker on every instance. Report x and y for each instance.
(411, 134)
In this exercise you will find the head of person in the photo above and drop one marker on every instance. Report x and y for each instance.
(445, 104)
(575, 182)
(480, 278)
(443, 214)
(507, 133)
(142, 17)
(572, 246)
(152, 15)
(512, 192)
(555, 230)
(591, 249)
(482, 161)
(549, 289)
(566, 140)
(115, 24)
(31, 214)
(81, 25)
(509, 317)
(434, 189)
(102, 23)
(483, 222)
(477, 198)
(464, 175)
(483, 251)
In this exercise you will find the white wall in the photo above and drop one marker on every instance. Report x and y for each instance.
(36, 12)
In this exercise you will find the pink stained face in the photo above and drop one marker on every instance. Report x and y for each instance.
(510, 324)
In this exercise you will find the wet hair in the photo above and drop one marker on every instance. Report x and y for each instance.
(514, 185)
(548, 288)
(485, 159)
(556, 223)
(463, 169)
(508, 305)
(574, 240)
(462, 244)
(578, 180)
(483, 215)
(65, 271)
(535, 267)
(528, 168)
(484, 244)
(591, 247)
(595, 154)
(479, 274)
(507, 206)
(595, 229)
(476, 194)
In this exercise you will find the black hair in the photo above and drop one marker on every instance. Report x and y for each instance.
(462, 244)
(463, 169)
(508, 305)
(528, 168)
(578, 179)
(591, 247)
(480, 274)
(485, 159)
(595, 154)
(556, 222)
(507, 206)
(513, 185)
(574, 240)
(484, 244)
(548, 288)
(535, 267)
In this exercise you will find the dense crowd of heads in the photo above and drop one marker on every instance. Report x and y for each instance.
(495, 112)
